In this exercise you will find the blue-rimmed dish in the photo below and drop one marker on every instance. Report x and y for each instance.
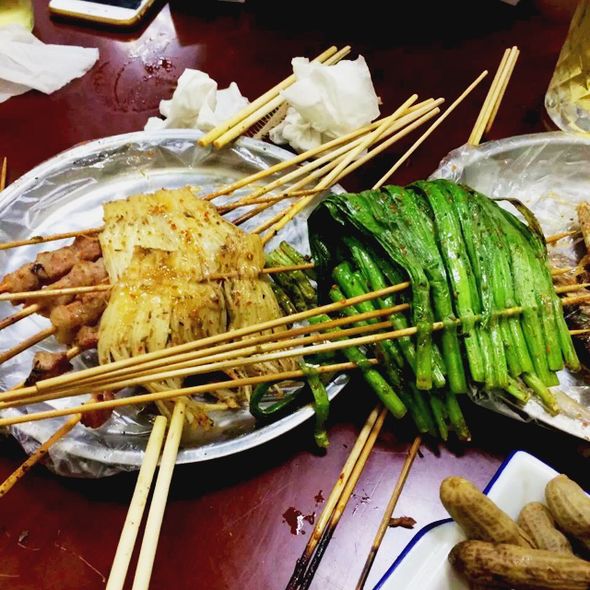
(423, 563)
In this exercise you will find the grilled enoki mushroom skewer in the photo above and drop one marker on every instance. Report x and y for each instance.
(145, 246)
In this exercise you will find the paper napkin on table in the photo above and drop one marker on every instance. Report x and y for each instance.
(26, 63)
(326, 102)
(198, 104)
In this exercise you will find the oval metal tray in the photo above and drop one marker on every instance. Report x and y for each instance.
(550, 173)
(66, 193)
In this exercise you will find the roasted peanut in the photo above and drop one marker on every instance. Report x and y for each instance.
(570, 507)
(478, 516)
(536, 521)
(520, 568)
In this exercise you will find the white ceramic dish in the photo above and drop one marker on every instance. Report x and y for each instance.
(423, 564)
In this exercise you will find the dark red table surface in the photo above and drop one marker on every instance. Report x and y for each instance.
(229, 523)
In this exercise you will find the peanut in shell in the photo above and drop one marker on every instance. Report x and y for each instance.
(520, 568)
(536, 521)
(478, 516)
(570, 507)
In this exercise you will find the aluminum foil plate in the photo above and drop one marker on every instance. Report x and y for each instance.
(66, 193)
(550, 173)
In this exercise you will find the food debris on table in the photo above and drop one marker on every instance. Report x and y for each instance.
(405, 522)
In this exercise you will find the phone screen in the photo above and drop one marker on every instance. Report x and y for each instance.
(120, 3)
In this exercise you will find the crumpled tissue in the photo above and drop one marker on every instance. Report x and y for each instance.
(29, 64)
(326, 101)
(198, 104)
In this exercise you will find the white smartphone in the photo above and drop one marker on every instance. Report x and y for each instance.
(113, 12)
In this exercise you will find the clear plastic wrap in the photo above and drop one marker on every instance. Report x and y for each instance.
(550, 173)
(66, 193)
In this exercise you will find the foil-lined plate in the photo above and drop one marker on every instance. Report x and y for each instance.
(550, 174)
(65, 194)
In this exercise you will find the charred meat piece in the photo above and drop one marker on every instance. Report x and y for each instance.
(97, 418)
(84, 311)
(87, 337)
(51, 266)
(83, 274)
(47, 365)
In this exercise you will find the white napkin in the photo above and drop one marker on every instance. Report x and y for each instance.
(26, 63)
(197, 104)
(326, 102)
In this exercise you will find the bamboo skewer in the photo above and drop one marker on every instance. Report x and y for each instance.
(493, 96)
(259, 102)
(264, 110)
(19, 315)
(151, 535)
(509, 69)
(579, 332)
(413, 113)
(51, 238)
(172, 394)
(383, 525)
(559, 236)
(483, 115)
(45, 293)
(3, 173)
(570, 288)
(343, 501)
(341, 143)
(334, 497)
(49, 292)
(414, 117)
(337, 154)
(37, 455)
(130, 530)
(96, 230)
(27, 343)
(307, 155)
(270, 200)
(231, 360)
(575, 299)
(431, 129)
(207, 364)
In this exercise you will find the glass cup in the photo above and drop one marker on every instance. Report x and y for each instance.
(17, 11)
(568, 97)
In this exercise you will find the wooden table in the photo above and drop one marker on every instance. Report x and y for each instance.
(240, 523)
